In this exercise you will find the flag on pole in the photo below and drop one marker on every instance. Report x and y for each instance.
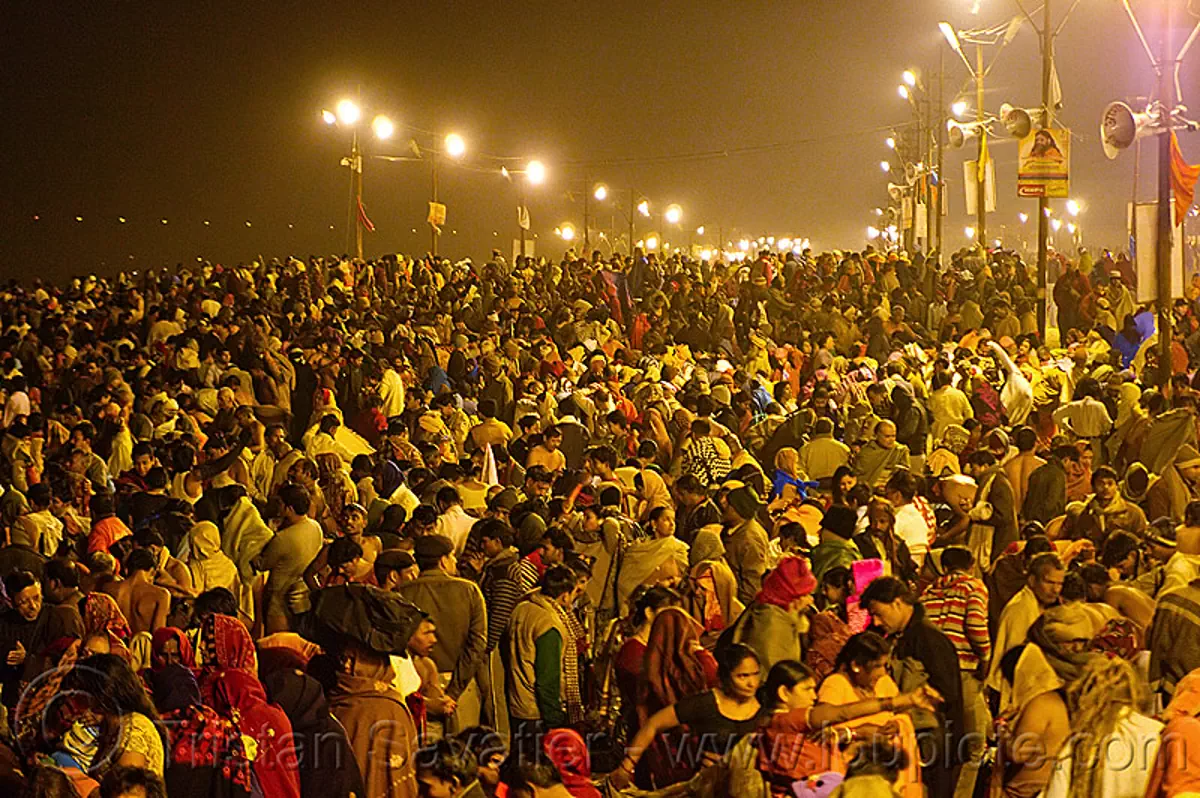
(984, 158)
(522, 217)
(363, 219)
(437, 216)
(1183, 180)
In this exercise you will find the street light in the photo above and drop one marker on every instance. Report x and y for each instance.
(644, 207)
(872, 233)
(1056, 224)
(700, 230)
(673, 214)
(329, 116)
(959, 108)
(567, 232)
(910, 78)
(890, 142)
(885, 166)
(383, 127)
(535, 174)
(652, 242)
(455, 146)
(348, 112)
(601, 193)
(902, 90)
(1024, 217)
(1073, 207)
(969, 231)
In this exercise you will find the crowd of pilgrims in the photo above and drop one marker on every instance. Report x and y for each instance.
(808, 524)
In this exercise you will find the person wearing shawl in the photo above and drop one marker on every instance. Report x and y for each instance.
(170, 646)
(102, 617)
(327, 767)
(835, 549)
(663, 559)
(711, 595)
(1180, 485)
(943, 460)
(205, 754)
(775, 620)
(364, 701)
(1033, 724)
(883, 455)
(569, 753)
(210, 567)
(1177, 767)
(1065, 633)
(265, 729)
(675, 667)
(243, 538)
(224, 643)
(1130, 416)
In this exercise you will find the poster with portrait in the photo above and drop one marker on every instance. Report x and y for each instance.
(1044, 163)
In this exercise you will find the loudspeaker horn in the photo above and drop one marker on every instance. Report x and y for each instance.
(1120, 127)
(896, 191)
(959, 132)
(1019, 122)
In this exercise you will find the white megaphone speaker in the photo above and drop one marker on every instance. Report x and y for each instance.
(1019, 122)
(1120, 127)
(896, 191)
(960, 132)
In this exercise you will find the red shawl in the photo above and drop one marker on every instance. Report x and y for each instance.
(241, 698)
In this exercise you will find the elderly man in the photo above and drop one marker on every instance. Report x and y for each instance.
(882, 456)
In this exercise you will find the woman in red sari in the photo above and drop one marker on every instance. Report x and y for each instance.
(676, 666)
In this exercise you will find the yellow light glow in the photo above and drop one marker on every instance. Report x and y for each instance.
(902, 90)
(910, 77)
(329, 116)
(383, 127)
(601, 192)
(567, 231)
(652, 242)
(535, 172)
(706, 254)
(1056, 224)
(674, 214)
(1073, 207)
(700, 230)
(970, 232)
(456, 147)
(885, 166)
(890, 142)
(644, 208)
(872, 233)
(348, 112)
(1024, 217)
(744, 245)
(959, 108)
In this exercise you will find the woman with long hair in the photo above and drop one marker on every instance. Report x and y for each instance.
(676, 666)
(1112, 746)
(843, 480)
(790, 747)
(718, 718)
(861, 674)
(126, 731)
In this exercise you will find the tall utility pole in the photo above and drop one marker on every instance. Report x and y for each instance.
(941, 144)
(522, 215)
(1043, 265)
(1167, 100)
(356, 164)
(587, 196)
(631, 211)
(980, 166)
(433, 228)
(927, 145)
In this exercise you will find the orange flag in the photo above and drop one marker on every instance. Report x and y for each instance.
(1183, 180)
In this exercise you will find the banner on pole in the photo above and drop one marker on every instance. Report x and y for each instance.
(921, 221)
(522, 217)
(906, 213)
(437, 214)
(1145, 227)
(1044, 163)
(971, 180)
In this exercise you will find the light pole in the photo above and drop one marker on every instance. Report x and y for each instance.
(454, 146)
(977, 71)
(535, 174)
(348, 114)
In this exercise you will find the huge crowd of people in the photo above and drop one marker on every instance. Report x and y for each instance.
(804, 524)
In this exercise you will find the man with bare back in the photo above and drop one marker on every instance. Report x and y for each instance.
(144, 604)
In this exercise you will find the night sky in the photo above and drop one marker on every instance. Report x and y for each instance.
(211, 111)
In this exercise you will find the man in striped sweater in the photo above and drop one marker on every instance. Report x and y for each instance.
(503, 586)
(957, 604)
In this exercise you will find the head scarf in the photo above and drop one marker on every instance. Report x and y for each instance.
(1186, 701)
(174, 688)
(159, 640)
(707, 545)
(790, 580)
(1032, 677)
(672, 669)
(955, 437)
(569, 753)
(102, 616)
(264, 727)
(1074, 622)
(225, 643)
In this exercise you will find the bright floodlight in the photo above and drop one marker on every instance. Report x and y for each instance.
(455, 146)
(652, 242)
(535, 172)
(601, 192)
(567, 232)
(959, 108)
(329, 116)
(1073, 207)
(890, 142)
(1071, 228)
(674, 214)
(970, 231)
(348, 113)
(879, 211)
(383, 127)
(885, 166)
(872, 233)
(644, 207)
(902, 90)
(700, 230)
(1024, 217)
(910, 77)
(951, 37)
(1056, 224)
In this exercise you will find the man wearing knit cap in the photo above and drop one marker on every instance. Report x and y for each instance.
(835, 549)
(774, 621)
(456, 607)
(746, 543)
